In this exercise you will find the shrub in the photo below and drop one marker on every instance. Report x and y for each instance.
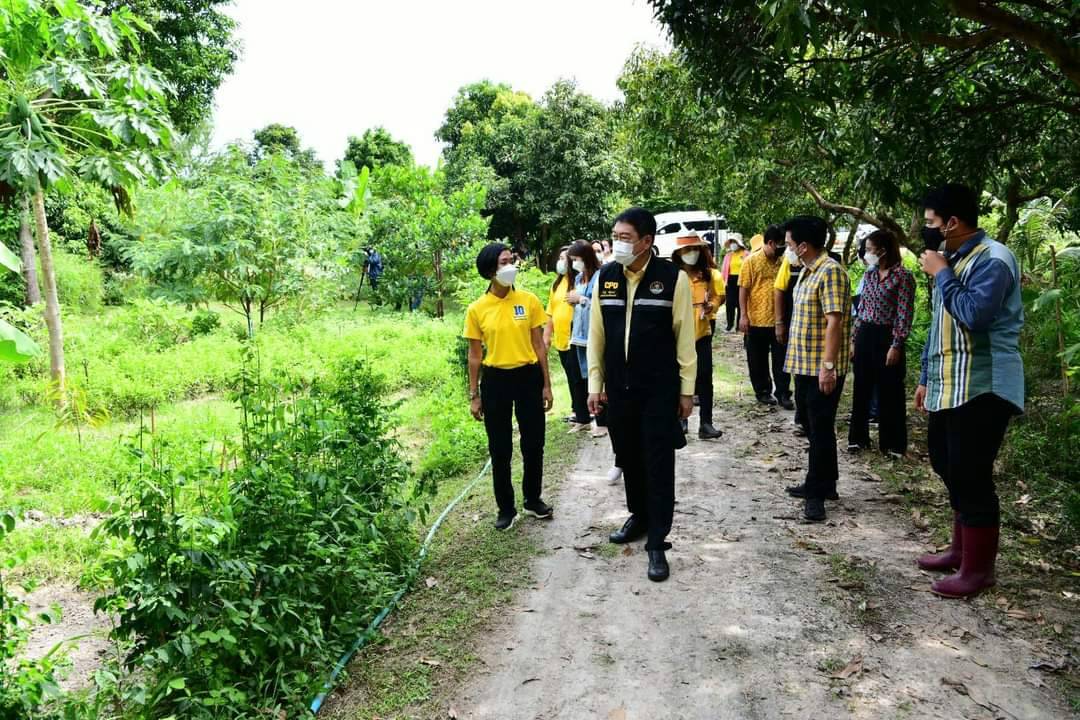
(26, 686)
(205, 322)
(248, 577)
(79, 282)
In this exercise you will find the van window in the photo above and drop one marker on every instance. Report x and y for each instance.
(669, 228)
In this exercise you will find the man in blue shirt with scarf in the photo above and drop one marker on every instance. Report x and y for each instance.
(972, 379)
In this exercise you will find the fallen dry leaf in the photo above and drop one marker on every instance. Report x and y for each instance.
(852, 668)
(628, 550)
(587, 555)
(429, 662)
(919, 521)
(618, 713)
(431, 582)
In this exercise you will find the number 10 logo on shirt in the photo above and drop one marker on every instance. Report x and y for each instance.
(519, 312)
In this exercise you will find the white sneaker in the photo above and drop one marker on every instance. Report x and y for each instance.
(614, 474)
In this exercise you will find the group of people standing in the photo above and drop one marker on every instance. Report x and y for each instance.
(634, 336)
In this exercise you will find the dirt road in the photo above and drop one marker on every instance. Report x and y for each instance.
(763, 617)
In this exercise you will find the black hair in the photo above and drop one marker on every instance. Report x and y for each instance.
(954, 200)
(774, 234)
(569, 276)
(487, 261)
(862, 246)
(887, 242)
(809, 229)
(642, 220)
(583, 249)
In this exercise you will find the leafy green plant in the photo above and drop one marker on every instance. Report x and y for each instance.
(15, 345)
(252, 568)
(27, 687)
(205, 322)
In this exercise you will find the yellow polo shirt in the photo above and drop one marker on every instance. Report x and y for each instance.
(736, 262)
(505, 327)
(783, 276)
(562, 317)
(702, 291)
(718, 292)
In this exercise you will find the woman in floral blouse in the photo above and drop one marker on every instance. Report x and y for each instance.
(878, 344)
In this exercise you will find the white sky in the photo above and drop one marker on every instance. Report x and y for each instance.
(333, 68)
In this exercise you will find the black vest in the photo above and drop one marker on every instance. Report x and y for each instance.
(652, 363)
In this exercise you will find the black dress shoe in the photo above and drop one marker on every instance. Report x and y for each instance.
(814, 510)
(633, 529)
(799, 491)
(766, 399)
(708, 432)
(658, 566)
(787, 403)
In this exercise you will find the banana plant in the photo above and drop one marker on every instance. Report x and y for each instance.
(15, 345)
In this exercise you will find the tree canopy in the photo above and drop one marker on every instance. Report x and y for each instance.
(866, 104)
(191, 43)
(377, 148)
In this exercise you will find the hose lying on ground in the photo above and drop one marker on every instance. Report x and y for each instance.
(366, 636)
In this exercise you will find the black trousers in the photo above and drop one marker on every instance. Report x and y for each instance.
(761, 345)
(872, 343)
(731, 301)
(579, 386)
(645, 431)
(703, 386)
(503, 394)
(822, 472)
(963, 444)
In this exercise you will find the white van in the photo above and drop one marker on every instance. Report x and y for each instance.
(670, 225)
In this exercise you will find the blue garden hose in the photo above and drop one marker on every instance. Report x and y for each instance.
(366, 636)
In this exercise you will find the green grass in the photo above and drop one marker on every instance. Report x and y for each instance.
(429, 642)
(139, 357)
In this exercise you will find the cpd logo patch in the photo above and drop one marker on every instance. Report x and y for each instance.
(656, 288)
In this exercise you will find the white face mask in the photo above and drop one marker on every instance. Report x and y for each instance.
(560, 267)
(579, 266)
(506, 275)
(624, 252)
(690, 257)
(792, 258)
(871, 260)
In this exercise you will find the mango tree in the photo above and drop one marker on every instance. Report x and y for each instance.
(72, 106)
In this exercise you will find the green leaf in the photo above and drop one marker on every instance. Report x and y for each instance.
(15, 345)
(9, 259)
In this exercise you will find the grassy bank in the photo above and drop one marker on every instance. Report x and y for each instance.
(144, 359)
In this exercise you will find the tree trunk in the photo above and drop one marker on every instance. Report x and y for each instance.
(1012, 209)
(52, 303)
(438, 284)
(29, 257)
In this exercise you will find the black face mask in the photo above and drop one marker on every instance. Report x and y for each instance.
(933, 237)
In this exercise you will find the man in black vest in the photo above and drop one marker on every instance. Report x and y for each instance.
(643, 364)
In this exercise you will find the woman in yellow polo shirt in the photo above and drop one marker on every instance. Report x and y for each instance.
(692, 256)
(508, 375)
(736, 253)
(560, 319)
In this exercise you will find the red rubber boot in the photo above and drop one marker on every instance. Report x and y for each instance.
(980, 547)
(950, 559)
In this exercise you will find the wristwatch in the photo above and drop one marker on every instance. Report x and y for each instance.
(828, 365)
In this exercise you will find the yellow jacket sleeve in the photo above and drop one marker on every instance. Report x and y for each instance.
(594, 353)
(685, 328)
